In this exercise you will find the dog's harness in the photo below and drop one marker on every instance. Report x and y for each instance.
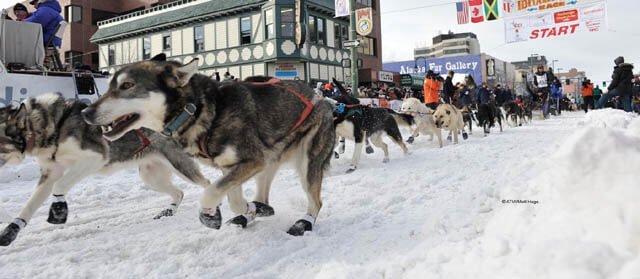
(204, 151)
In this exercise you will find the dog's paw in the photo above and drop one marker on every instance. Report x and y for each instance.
(351, 169)
(263, 209)
(336, 155)
(385, 160)
(240, 221)
(58, 213)
(211, 218)
(9, 234)
(465, 136)
(410, 140)
(164, 213)
(369, 149)
(341, 148)
(301, 226)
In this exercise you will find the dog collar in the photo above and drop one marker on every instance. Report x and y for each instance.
(188, 111)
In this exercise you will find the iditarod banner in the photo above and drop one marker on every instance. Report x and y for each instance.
(516, 8)
(587, 18)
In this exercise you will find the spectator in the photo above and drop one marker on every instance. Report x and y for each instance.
(597, 92)
(498, 95)
(217, 76)
(431, 89)
(636, 92)
(318, 89)
(449, 90)
(21, 12)
(483, 95)
(508, 94)
(556, 94)
(464, 99)
(227, 76)
(587, 95)
(620, 84)
(47, 14)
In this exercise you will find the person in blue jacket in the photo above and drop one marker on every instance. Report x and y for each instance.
(48, 15)
(484, 96)
(556, 93)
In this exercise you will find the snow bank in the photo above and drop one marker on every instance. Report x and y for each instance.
(587, 221)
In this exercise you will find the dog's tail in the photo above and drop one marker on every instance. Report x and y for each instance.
(340, 87)
(401, 118)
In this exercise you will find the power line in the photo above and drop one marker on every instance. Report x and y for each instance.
(418, 8)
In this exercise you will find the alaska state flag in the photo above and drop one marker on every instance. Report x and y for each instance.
(476, 11)
(491, 9)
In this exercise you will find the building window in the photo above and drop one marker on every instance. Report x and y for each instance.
(287, 23)
(336, 35)
(245, 31)
(73, 14)
(368, 46)
(166, 42)
(313, 31)
(368, 3)
(317, 29)
(345, 33)
(198, 38)
(146, 48)
(271, 32)
(112, 55)
(73, 58)
(322, 38)
(95, 59)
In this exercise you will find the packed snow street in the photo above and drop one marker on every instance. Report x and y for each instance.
(435, 213)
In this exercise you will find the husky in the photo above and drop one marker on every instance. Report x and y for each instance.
(527, 113)
(513, 112)
(487, 115)
(468, 118)
(448, 117)
(360, 123)
(68, 150)
(247, 129)
(422, 116)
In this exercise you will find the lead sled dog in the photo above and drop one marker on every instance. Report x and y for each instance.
(68, 150)
(247, 129)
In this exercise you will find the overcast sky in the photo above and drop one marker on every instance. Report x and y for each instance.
(592, 52)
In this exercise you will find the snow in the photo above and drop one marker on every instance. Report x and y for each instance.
(436, 213)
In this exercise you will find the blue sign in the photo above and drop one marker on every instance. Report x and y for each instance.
(466, 65)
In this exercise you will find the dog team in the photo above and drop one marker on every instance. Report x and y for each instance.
(161, 116)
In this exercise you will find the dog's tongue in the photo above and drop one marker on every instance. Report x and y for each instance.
(119, 120)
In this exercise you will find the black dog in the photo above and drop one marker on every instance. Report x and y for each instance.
(487, 115)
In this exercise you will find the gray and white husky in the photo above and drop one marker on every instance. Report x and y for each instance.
(68, 150)
(247, 129)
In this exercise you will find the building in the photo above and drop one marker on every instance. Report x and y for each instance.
(532, 63)
(571, 83)
(242, 37)
(83, 16)
(450, 45)
(482, 67)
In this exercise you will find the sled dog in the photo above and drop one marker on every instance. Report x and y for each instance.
(247, 129)
(514, 113)
(68, 150)
(488, 115)
(422, 116)
(448, 117)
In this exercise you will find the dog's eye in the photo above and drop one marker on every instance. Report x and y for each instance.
(448, 112)
(126, 85)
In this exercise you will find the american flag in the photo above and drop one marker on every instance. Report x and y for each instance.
(463, 12)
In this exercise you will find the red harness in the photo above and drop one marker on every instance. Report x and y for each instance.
(273, 82)
(145, 141)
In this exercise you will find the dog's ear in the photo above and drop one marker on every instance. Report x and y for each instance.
(160, 57)
(177, 77)
(185, 72)
(20, 116)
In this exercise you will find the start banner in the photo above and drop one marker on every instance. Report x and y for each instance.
(586, 18)
(516, 8)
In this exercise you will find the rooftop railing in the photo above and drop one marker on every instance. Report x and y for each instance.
(146, 11)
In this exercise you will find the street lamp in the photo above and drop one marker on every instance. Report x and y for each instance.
(416, 69)
(531, 61)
